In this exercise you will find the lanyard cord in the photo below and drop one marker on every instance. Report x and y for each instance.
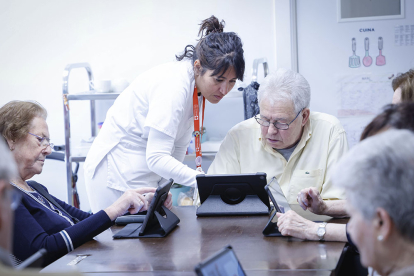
(41, 203)
(197, 133)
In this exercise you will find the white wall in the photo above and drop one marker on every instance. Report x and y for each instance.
(120, 39)
(324, 48)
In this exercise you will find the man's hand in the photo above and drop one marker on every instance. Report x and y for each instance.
(291, 224)
(310, 199)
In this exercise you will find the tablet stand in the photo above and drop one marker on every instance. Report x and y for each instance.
(162, 226)
(159, 227)
(215, 206)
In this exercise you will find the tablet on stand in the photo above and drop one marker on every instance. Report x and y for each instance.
(224, 262)
(158, 222)
(227, 195)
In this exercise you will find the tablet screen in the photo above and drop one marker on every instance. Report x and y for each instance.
(278, 195)
(159, 197)
(224, 263)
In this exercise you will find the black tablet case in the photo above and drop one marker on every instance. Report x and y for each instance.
(159, 224)
(227, 195)
(160, 228)
(215, 259)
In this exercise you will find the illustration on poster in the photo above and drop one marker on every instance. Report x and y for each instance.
(355, 61)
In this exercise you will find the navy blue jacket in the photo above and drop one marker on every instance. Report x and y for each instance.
(37, 227)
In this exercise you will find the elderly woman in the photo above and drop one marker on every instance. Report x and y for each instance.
(399, 116)
(51, 224)
(377, 175)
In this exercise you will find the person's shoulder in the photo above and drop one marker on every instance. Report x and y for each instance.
(249, 125)
(319, 119)
(35, 184)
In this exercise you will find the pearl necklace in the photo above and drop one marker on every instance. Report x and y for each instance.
(41, 201)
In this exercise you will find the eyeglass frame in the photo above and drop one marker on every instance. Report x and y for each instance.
(274, 123)
(41, 139)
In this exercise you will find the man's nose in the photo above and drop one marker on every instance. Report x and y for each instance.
(272, 129)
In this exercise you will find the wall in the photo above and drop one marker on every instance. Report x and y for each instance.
(120, 39)
(324, 48)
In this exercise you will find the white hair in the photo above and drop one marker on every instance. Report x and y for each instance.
(8, 167)
(379, 172)
(285, 85)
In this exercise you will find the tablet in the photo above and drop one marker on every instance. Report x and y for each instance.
(157, 202)
(158, 222)
(278, 197)
(240, 194)
(223, 262)
(282, 206)
(269, 193)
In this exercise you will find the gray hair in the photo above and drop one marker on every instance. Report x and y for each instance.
(379, 172)
(285, 85)
(8, 168)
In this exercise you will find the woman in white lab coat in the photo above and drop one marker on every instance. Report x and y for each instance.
(147, 130)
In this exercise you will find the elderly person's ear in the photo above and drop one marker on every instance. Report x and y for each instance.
(383, 224)
(10, 143)
(305, 116)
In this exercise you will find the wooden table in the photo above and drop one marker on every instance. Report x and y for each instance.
(194, 240)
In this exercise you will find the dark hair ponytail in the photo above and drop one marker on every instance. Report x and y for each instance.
(216, 50)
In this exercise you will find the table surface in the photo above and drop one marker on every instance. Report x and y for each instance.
(195, 239)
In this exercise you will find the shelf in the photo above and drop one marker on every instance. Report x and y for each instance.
(78, 159)
(207, 156)
(92, 96)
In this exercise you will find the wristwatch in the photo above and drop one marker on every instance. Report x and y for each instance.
(321, 231)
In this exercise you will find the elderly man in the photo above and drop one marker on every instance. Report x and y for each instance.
(9, 200)
(286, 140)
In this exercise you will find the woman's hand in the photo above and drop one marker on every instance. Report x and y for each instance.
(167, 202)
(291, 224)
(131, 201)
(310, 199)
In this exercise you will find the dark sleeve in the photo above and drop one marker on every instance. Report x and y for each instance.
(30, 235)
(348, 237)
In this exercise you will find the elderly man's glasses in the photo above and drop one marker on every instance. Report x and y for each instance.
(278, 125)
(44, 141)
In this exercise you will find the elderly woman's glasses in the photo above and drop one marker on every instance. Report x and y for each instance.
(44, 141)
(278, 125)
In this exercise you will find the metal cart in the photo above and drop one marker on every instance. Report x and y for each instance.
(92, 96)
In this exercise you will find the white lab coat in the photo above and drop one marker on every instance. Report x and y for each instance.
(161, 99)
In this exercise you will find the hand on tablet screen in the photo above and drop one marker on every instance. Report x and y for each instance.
(292, 224)
(167, 203)
(131, 201)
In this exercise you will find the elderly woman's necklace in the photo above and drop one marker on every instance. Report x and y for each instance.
(39, 197)
(41, 201)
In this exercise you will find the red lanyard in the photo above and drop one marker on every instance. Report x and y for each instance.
(197, 133)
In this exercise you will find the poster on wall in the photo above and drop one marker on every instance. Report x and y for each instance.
(360, 98)
(363, 94)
